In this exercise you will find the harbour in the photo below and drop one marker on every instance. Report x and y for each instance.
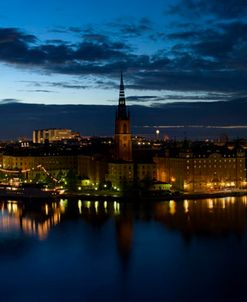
(123, 251)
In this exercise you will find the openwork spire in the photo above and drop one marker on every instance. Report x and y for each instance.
(121, 111)
(121, 92)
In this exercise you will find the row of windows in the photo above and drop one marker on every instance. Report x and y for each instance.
(217, 155)
(214, 166)
(219, 160)
(218, 172)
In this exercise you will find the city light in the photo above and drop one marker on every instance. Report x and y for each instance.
(80, 206)
(172, 206)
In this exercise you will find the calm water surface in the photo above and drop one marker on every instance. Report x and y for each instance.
(106, 251)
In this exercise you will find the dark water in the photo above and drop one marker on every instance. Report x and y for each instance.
(106, 251)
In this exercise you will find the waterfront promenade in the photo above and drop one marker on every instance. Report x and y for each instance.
(36, 194)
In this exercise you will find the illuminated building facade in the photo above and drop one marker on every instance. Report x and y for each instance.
(204, 169)
(92, 168)
(52, 135)
(119, 173)
(145, 170)
(40, 164)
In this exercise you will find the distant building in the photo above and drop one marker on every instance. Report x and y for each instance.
(52, 135)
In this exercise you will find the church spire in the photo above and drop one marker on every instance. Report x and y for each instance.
(122, 138)
(121, 92)
(121, 111)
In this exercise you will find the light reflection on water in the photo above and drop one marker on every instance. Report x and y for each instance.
(133, 251)
(226, 213)
(211, 215)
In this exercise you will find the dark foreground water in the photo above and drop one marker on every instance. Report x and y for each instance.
(106, 251)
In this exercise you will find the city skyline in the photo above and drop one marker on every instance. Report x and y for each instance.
(73, 52)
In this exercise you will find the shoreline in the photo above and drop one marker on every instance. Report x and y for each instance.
(120, 198)
(164, 197)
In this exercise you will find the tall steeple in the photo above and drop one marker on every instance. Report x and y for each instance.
(121, 91)
(121, 111)
(123, 143)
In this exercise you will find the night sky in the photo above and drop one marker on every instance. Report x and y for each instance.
(72, 52)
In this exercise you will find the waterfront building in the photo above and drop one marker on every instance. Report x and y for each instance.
(202, 168)
(145, 170)
(92, 169)
(120, 173)
(36, 165)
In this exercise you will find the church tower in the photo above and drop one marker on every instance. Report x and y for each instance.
(122, 139)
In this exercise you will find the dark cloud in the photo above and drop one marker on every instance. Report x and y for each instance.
(66, 30)
(229, 9)
(208, 57)
(106, 84)
(54, 53)
(103, 51)
(40, 90)
(221, 48)
(19, 48)
(56, 41)
(75, 29)
(32, 83)
(23, 118)
(9, 35)
(191, 81)
(141, 99)
(95, 37)
(58, 30)
(67, 85)
(132, 28)
(14, 47)
(157, 36)
(9, 101)
(203, 97)
(223, 43)
(184, 35)
(194, 97)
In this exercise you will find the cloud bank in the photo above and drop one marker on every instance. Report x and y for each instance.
(206, 54)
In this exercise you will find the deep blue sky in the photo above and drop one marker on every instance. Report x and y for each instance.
(71, 52)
